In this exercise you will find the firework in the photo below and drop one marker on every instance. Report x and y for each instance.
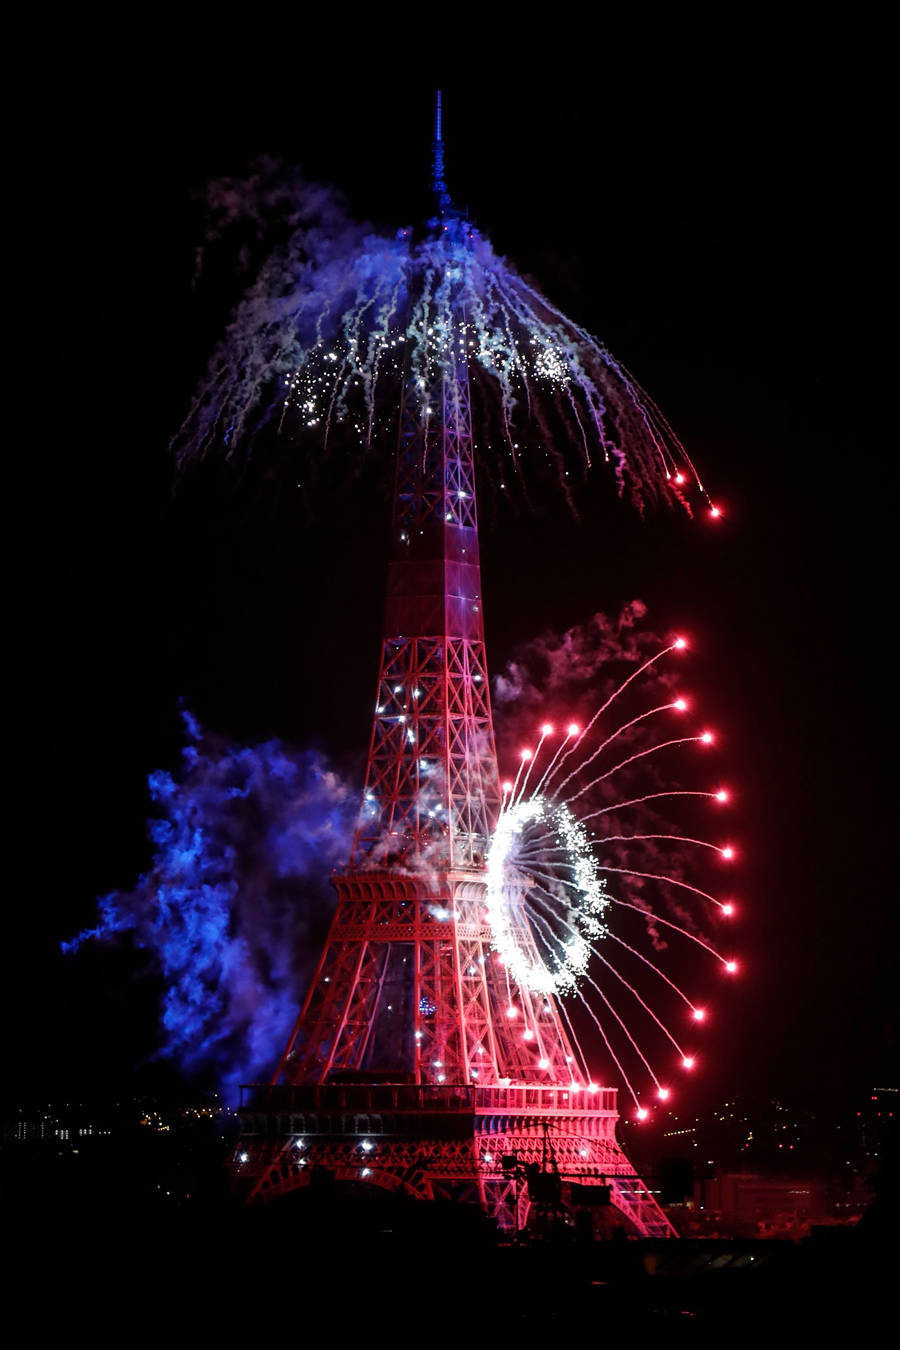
(554, 878)
(341, 322)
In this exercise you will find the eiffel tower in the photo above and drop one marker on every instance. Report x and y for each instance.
(412, 1065)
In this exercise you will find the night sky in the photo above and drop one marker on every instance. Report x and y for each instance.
(720, 227)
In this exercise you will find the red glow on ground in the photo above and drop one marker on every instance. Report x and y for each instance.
(699, 1014)
(547, 729)
(688, 1062)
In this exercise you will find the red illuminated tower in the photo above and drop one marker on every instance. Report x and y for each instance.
(412, 1066)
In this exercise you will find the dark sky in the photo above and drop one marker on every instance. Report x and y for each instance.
(720, 225)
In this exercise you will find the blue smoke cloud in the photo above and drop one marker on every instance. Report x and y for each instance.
(233, 906)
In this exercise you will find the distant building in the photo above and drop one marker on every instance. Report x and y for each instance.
(767, 1205)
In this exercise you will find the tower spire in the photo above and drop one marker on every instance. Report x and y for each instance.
(438, 186)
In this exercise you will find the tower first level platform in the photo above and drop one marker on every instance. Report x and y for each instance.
(440, 1142)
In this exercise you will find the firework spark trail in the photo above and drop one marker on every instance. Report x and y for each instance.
(605, 706)
(571, 731)
(647, 913)
(675, 838)
(649, 797)
(647, 962)
(657, 918)
(612, 1054)
(614, 735)
(531, 760)
(600, 957)
(541, 923)
(575, 1043)
(338, 313)
(661, 876)
(640, 754)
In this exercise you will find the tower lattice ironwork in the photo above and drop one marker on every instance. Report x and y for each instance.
(411, 1065)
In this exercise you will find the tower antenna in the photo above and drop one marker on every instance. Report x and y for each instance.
(438, 186)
